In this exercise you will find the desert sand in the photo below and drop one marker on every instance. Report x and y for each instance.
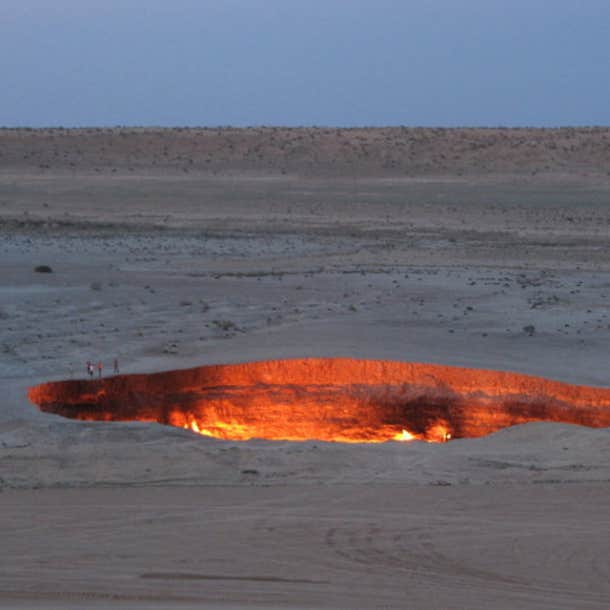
(178, 248)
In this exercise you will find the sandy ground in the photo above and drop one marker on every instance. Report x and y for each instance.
(149, 264)
(351, 546)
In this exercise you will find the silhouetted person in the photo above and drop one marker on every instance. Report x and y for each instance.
(116, 366)
(99, 368)
(89, 368)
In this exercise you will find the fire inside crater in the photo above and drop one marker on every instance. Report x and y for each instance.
(329, 399)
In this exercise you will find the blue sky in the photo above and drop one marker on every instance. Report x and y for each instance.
(285, 62)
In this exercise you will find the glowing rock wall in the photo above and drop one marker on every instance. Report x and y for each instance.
(329, 399)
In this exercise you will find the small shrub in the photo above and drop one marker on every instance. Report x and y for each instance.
(43, 269)
(225, 325)
(530, 329)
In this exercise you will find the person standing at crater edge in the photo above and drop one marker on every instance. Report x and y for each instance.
(99, 368)
(116, 366)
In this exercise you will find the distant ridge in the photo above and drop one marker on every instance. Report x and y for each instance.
(384, 151)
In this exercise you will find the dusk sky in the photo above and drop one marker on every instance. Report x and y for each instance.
(284, 62)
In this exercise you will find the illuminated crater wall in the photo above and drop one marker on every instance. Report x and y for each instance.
(329, 399)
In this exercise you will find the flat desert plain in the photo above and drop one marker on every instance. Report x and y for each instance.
(175, 248)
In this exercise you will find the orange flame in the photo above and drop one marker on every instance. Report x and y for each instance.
(404, 435)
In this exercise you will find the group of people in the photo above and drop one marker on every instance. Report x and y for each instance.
(100, 367)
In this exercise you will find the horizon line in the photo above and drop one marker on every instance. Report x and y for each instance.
(295, 127)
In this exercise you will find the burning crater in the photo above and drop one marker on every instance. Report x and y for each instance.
(330, 400)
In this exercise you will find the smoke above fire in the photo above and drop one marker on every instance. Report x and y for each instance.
(333, 399)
